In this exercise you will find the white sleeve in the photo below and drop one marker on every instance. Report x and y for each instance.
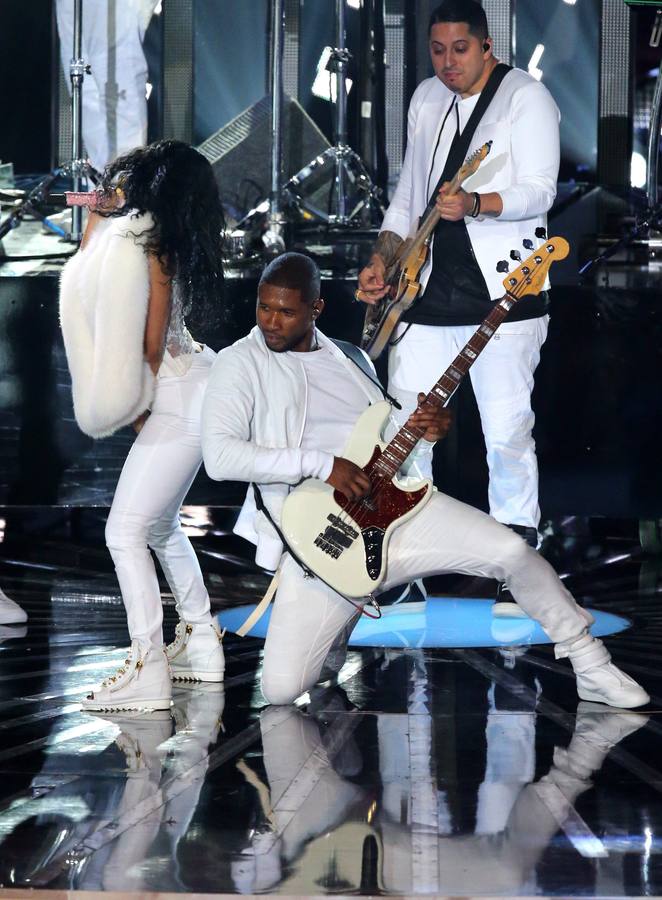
(228, 450)
(535, 150)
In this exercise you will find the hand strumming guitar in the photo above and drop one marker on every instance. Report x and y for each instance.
(349, 479)
(371, 281)
(372, 284)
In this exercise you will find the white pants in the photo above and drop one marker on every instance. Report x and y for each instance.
(114, 101)
(502, 380)
(156, 476)
(446, 536)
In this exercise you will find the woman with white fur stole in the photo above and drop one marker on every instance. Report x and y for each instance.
(150, 252)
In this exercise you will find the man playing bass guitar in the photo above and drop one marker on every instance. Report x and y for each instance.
(504, 203)
(280, 406)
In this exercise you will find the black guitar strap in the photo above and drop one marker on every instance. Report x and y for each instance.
(355, 355)
(458, 149)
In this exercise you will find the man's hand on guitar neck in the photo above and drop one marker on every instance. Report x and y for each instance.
(372, 283)
(349, 479)
(436, 420)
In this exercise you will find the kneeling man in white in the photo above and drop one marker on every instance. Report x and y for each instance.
(279, 407)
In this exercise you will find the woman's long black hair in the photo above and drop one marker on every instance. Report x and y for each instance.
(176, 184)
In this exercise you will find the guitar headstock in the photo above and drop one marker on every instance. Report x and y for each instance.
(472, 161)
(529, 277)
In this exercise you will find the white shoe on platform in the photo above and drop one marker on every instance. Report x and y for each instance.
(10, 612)
(196, 654)
(142, 683)
(598, 679)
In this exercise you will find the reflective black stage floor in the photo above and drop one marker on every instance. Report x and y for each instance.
(442, 772)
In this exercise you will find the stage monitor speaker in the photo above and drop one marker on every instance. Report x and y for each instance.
(240, 152)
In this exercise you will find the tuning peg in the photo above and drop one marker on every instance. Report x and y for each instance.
(527, 244)
(516, 255)
(541, 233)
(502, 265)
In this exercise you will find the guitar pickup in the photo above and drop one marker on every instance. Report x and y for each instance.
(345, 527)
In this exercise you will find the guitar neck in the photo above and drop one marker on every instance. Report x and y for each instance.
(402, 445)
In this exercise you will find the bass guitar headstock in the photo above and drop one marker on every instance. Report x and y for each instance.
(529, 277)
(472, 162)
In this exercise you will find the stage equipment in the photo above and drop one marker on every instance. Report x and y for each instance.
(353, 198)
(240, 153)
(77, 168)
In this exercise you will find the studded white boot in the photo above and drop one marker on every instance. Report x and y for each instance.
(196, 654)
(598, 679)
(142, 683)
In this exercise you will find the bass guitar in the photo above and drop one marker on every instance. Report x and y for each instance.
(345, 542)
(402, 275)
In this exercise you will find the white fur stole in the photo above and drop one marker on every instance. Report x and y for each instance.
(104, 296)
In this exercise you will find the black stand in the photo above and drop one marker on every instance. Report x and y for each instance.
(77, 169)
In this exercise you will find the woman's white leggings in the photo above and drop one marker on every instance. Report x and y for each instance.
(156, 476)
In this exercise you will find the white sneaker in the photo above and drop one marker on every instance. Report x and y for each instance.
(607, 684)
(598, 679)
(142, 683)
(10, 612)
(196, 654)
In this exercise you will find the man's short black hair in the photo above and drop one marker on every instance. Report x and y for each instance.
(295, 271)
(469, 11)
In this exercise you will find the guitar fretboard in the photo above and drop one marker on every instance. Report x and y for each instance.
(402, 444)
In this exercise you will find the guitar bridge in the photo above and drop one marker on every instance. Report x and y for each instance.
(336, 537)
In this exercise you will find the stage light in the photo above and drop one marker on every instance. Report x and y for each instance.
(570, 2)
(324, 85)
(638, 170)
(355, 4)
(536, 56)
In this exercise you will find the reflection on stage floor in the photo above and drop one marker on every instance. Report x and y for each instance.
(465, 770)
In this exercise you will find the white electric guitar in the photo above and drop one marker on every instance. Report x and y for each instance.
(345, 542)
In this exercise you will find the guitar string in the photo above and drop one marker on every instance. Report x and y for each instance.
(353, 508)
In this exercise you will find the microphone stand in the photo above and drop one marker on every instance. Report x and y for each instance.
(652, 219)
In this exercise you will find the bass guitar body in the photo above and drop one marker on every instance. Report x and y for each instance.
(345, 541)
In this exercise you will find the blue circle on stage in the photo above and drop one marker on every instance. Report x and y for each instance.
(439, 622)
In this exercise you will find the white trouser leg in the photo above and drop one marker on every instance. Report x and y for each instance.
(154, 481)
(306, 617)
(502, 379)
(446, 536)
(414, 365)
(114, 102)
(449, 536)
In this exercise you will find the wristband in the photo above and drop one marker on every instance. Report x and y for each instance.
(475, 211)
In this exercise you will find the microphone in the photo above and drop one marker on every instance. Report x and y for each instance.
(92, 200)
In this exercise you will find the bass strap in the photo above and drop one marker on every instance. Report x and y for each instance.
(460, 146)
(357, 356)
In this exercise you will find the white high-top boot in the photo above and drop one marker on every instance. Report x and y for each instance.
(598, 679)
(142, 683)
(196, 654)
(10, 612)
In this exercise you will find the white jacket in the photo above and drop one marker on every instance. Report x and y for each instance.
(253, 420)
(522, 121)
